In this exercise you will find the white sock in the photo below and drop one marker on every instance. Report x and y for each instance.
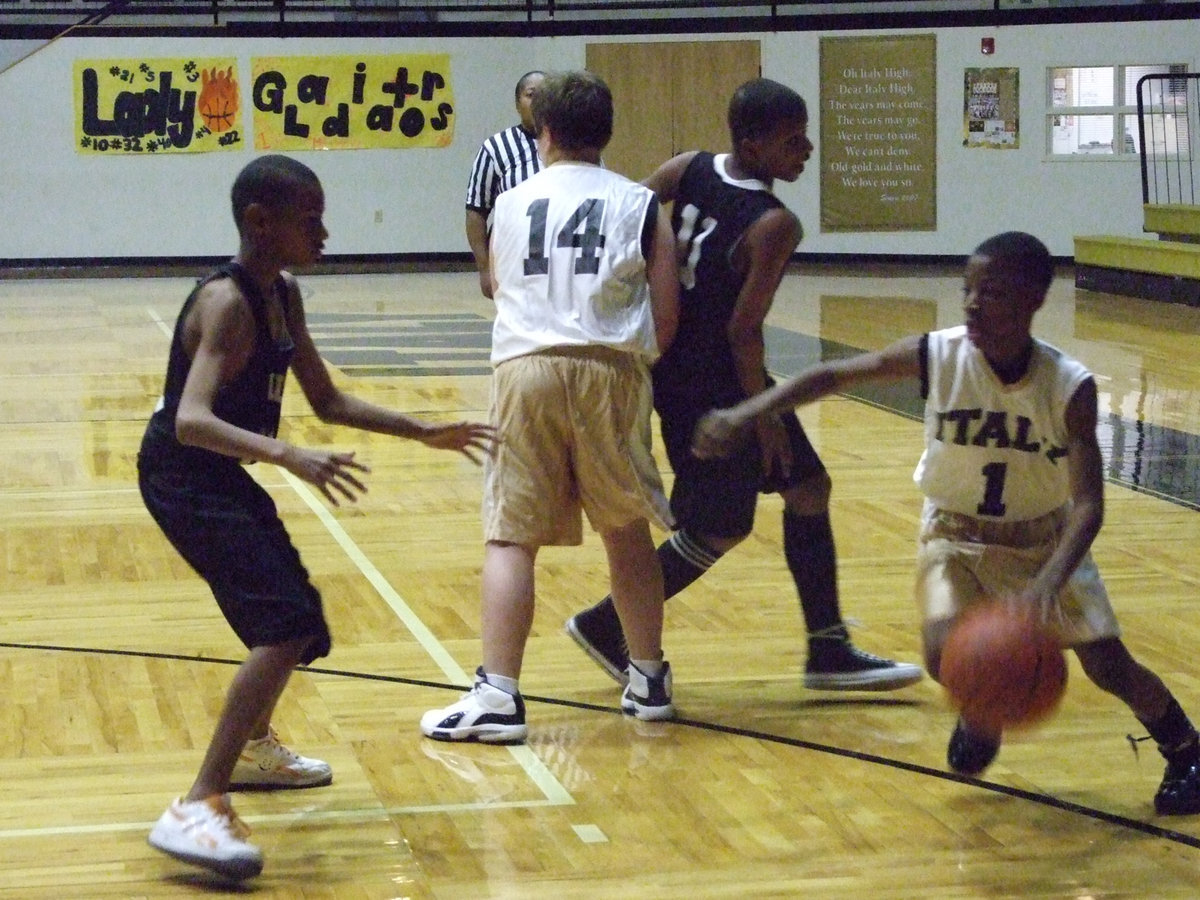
(506, 684)
(651, 668)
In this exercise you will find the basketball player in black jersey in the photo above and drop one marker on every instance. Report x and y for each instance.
(239, 332)
(734, 240)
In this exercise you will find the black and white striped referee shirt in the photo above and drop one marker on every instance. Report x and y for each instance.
(504, 161)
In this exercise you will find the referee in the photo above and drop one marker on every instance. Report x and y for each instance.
(504, 161)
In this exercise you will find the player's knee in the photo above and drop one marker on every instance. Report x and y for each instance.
(299, 650)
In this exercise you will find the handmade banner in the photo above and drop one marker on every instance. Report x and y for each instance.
(352, 102)
(134, 106)
(991, 109)
(878, 133)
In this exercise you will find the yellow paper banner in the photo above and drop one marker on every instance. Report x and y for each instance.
(352, 102)
(134, 106)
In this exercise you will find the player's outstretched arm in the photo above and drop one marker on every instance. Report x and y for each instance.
(720, 430)
(332, 404)
(225, 341)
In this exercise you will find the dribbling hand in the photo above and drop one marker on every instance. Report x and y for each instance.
(1043, 606)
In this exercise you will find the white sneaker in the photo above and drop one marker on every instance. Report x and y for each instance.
(207, 833)
(266, 764)
(485, 713)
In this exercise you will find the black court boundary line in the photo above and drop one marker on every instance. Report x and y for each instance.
(1046, 800)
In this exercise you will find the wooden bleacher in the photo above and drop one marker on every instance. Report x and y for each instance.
(1166, 267)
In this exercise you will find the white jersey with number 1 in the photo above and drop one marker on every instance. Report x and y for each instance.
(995, 450)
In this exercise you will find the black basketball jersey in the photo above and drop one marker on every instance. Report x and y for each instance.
(711, 213)
(253, 399)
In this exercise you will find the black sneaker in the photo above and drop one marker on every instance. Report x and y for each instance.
(835, 664)
(598, 631)
(648, 698)
(969, 753)
(1179, 793)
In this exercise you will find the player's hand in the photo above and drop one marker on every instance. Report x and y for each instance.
(471, 439)
(331, 473)
(775, 446)
(485, 284)
(717, 434)
(1041, 606)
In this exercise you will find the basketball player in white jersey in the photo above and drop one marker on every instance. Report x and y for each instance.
(1011, 466)
(586, 298)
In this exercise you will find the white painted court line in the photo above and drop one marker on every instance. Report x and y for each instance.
(367, 814)
(160, 322)
(534, 768)
(429, 643)
(590, 834)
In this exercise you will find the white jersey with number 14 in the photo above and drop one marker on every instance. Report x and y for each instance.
(568, 264)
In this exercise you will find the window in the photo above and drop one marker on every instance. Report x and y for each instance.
(1093, 109)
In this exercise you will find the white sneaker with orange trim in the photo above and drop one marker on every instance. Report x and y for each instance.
(266, 764)
(207, 833)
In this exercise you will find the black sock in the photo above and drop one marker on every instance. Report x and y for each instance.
(812, 559)
(683, 558)
(1175, 735)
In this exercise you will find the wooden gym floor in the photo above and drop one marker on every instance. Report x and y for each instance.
(114, 658)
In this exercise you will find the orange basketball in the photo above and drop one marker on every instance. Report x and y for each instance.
(1001, 669)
